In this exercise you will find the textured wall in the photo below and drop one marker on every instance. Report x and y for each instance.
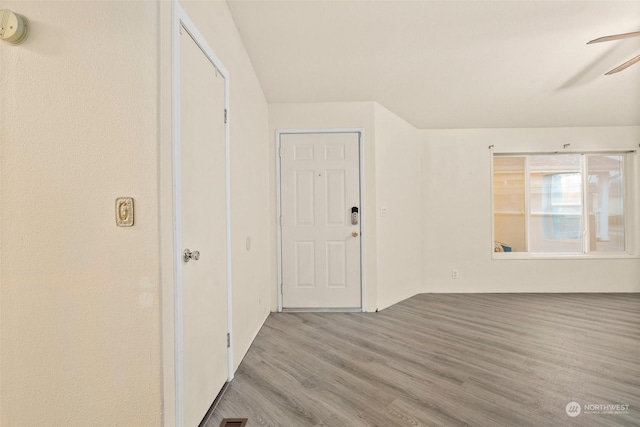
(80, 321)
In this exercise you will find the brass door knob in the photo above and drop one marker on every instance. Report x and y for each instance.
(354, 234)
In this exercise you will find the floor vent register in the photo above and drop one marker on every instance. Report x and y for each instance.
(234, 422)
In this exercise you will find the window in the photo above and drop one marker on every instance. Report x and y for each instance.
(560, 203)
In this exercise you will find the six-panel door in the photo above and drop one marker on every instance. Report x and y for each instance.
(320, 188)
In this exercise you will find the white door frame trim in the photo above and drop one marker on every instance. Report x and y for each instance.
(180, 20)
(360, 132)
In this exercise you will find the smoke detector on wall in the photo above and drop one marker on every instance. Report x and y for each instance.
(14, 28)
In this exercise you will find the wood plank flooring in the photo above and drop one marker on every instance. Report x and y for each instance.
(445, 360)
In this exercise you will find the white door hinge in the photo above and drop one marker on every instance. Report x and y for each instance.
(228, 340)
(226, 116)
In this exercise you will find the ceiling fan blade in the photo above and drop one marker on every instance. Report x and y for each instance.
(623, 66)
(615, 37)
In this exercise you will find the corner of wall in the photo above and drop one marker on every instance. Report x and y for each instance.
(399, 203)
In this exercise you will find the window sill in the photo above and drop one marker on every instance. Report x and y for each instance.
(528, 256)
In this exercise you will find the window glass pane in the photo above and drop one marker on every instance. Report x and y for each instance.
(605, 203)
(509, 204)
(556, 203)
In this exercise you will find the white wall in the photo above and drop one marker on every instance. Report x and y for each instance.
(456, 182)
(393, 244)
(253, 271)
(332, 116)
(80, 334)
(398, 189)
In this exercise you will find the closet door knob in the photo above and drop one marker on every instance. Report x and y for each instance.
(187, 255)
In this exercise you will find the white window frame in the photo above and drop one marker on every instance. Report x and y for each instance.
(631, 189)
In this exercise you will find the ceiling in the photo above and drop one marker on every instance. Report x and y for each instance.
(450, 64)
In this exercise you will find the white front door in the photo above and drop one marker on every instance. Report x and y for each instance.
(203, 225)
(320, 189)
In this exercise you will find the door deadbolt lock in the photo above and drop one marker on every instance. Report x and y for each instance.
(188, 255)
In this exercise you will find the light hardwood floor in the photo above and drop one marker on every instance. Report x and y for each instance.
(445, 359)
